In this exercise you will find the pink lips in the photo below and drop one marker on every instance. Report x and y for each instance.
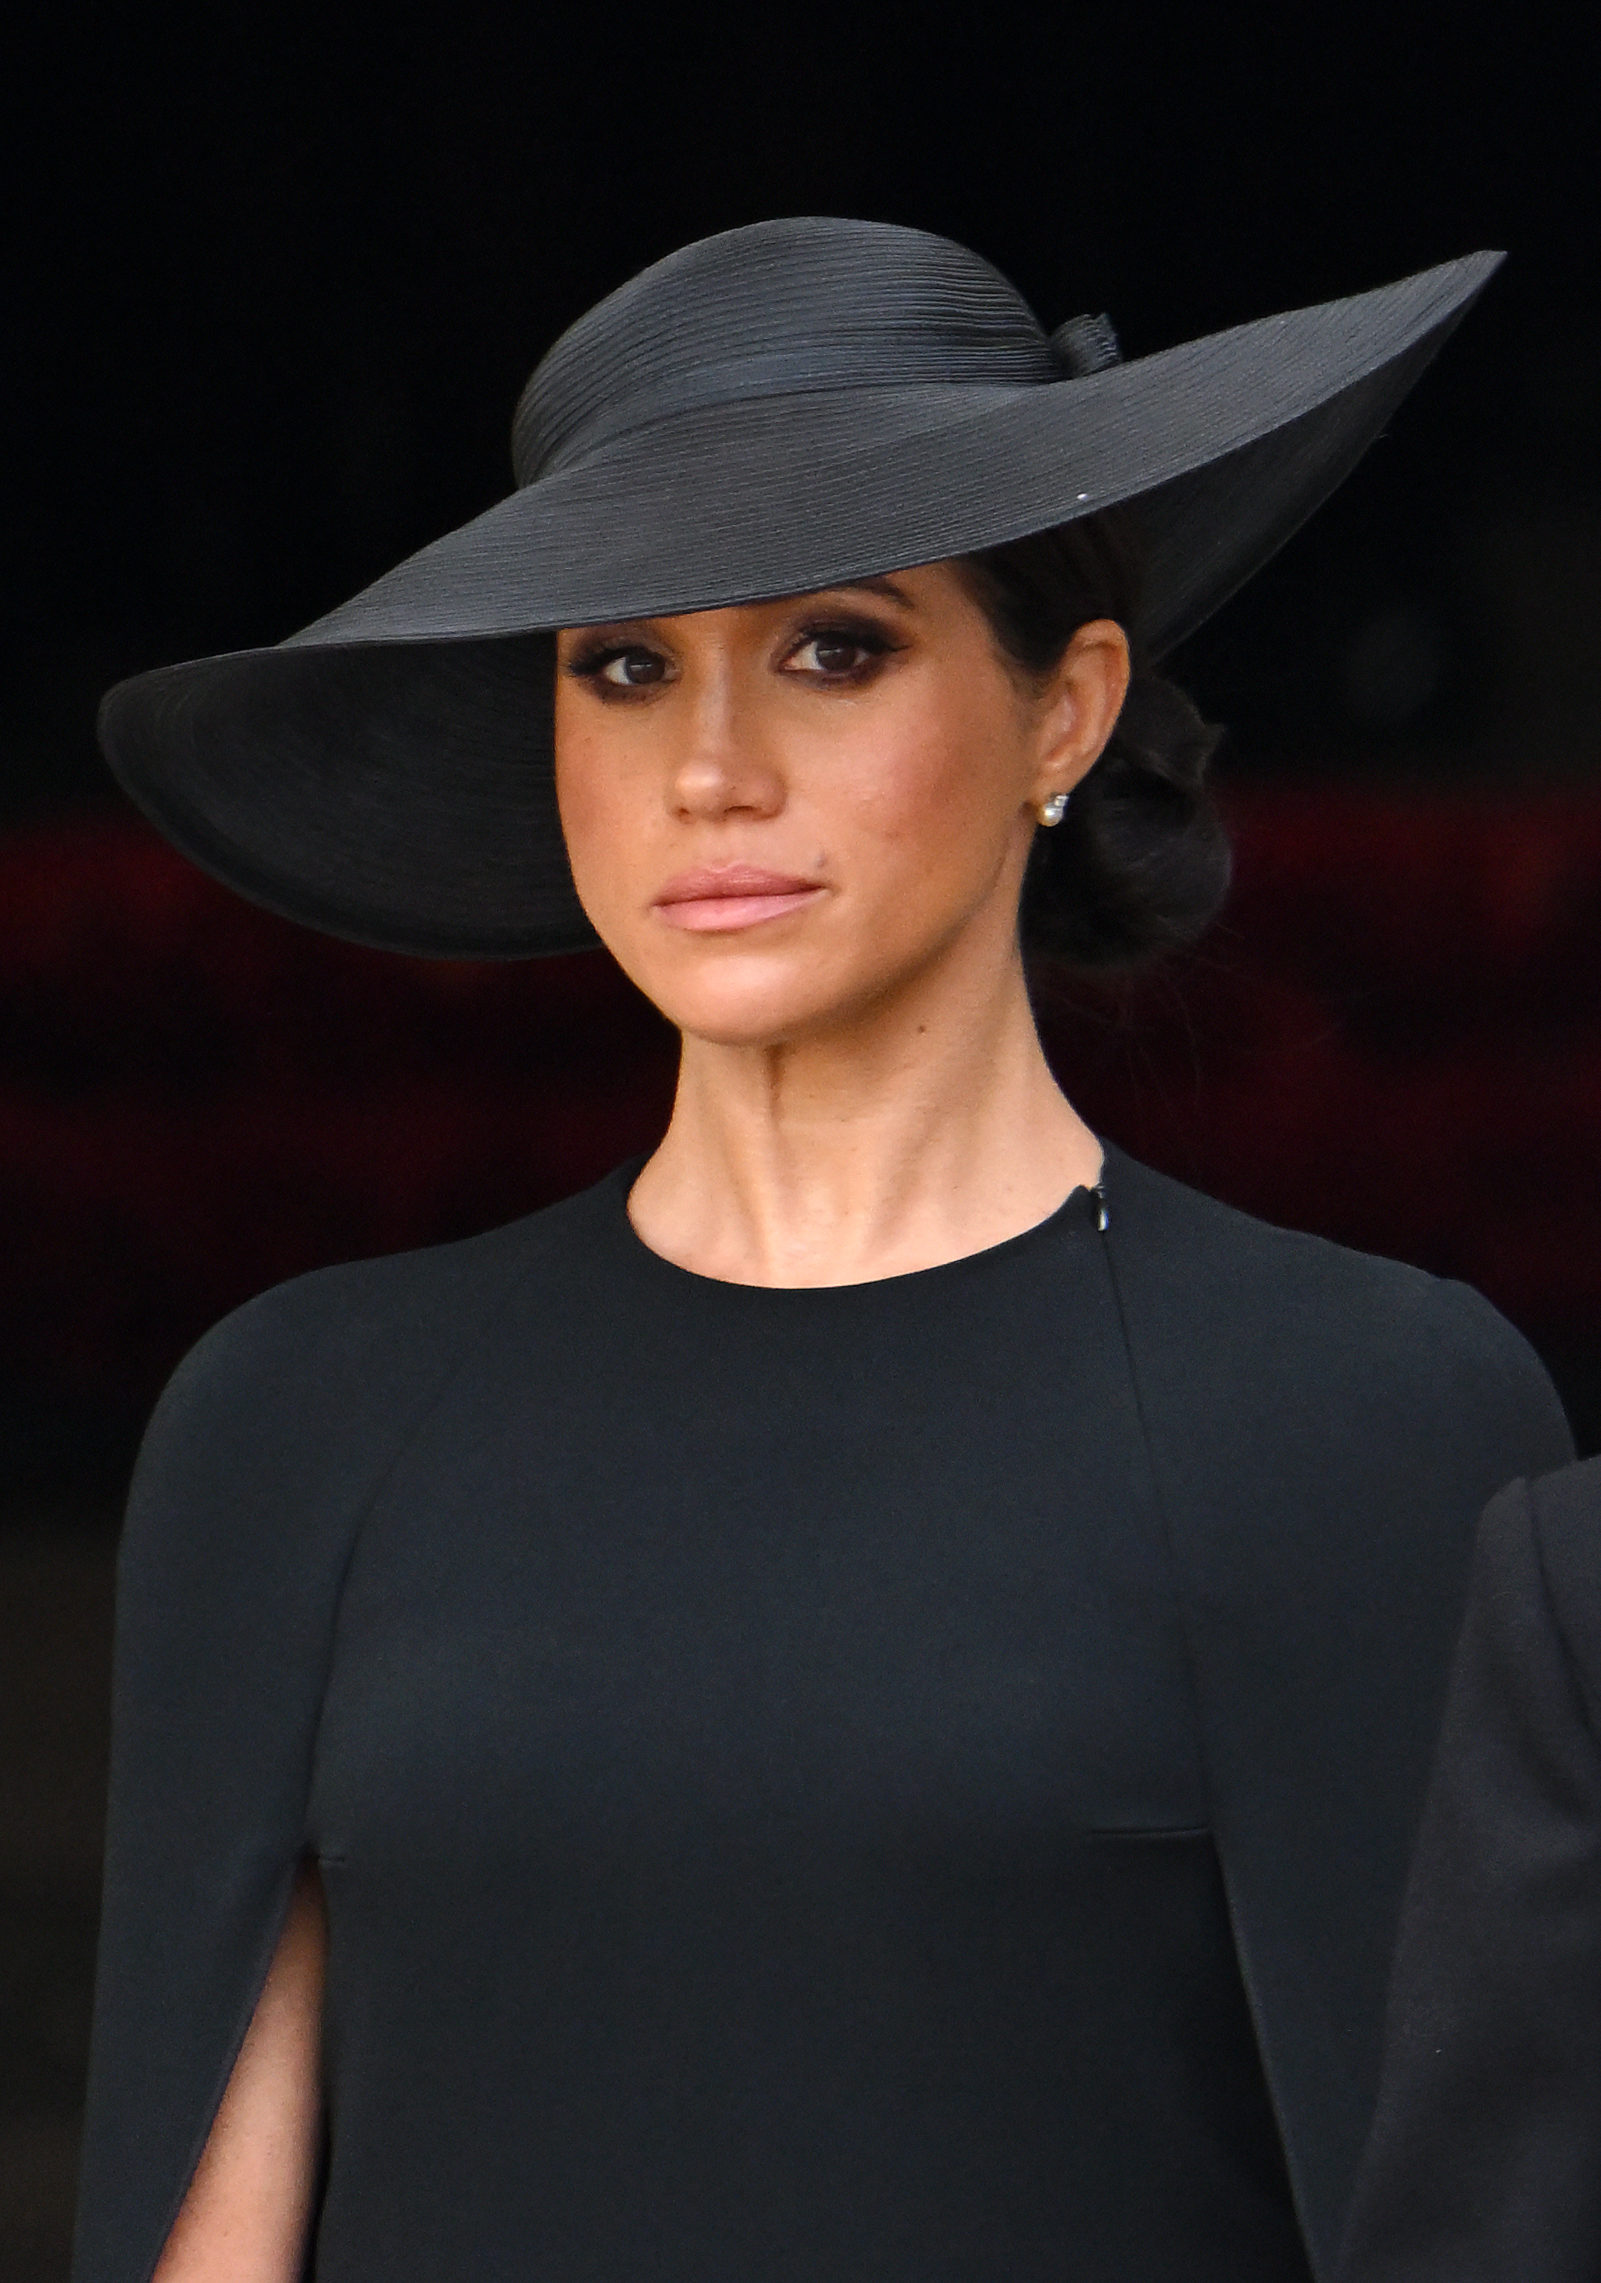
(719, 898)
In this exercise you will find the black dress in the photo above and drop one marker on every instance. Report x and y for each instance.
(808, 1784)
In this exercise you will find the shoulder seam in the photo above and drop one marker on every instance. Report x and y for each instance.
(467, 1348)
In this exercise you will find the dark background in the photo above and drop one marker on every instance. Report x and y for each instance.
(272, 295)
(277, 295)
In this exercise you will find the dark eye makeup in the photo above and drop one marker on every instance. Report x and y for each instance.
(638, 667)
(846, 649)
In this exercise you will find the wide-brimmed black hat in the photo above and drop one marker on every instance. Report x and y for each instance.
(766, 412)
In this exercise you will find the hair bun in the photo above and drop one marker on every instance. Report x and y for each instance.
(1140, 864)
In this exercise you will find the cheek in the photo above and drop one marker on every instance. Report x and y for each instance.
(601, 812)
(932, 789)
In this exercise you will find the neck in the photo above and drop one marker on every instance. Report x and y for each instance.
(925, 1129)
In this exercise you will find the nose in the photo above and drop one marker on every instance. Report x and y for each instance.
(721, 769)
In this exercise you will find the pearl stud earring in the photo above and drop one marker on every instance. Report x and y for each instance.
(1053, 810)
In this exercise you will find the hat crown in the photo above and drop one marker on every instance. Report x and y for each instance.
(777, 308)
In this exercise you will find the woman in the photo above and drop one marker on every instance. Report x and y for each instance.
(852, 1701)
(1485, 2160)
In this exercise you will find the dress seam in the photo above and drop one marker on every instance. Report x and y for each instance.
(1193, 1673)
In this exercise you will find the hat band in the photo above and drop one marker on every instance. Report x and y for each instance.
(743, 380)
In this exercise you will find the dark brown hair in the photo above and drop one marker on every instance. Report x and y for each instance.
(1140, 863)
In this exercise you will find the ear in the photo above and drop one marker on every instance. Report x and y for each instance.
(1079, 707)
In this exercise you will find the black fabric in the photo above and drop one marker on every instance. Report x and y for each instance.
(798, 1774)
(1485, 2160)
(766, 412)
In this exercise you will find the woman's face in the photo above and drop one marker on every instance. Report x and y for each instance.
(779, 815)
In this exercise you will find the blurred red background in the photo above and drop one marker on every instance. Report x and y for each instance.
(1394, 1038)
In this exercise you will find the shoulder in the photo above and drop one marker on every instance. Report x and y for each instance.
(327, 1335)
(1566, 1506)
(1295, 1308)
(1561, 1512)
(275, 1428)
(1253, 1264)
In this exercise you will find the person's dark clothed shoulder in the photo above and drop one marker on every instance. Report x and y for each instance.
(1485, 2161)
(911, 1779)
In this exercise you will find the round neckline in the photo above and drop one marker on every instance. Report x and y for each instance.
(1078, 1210)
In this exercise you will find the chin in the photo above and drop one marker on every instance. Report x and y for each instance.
(750, 1001)
(748, 1018)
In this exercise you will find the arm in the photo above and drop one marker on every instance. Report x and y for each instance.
(1485, 2158)
(227, 1585)
(263, 1458)
(245, 2217)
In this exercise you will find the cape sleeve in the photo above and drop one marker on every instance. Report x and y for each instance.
(251, 1484)
(1486, 2150)
(1325, 1430)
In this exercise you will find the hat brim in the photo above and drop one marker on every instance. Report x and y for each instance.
(387, 776)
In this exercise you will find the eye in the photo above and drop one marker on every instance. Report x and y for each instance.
(838, 653)
(617, 668)
(629, 669)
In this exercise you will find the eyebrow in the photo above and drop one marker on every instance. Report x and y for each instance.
(878, 586)
(883, 587)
